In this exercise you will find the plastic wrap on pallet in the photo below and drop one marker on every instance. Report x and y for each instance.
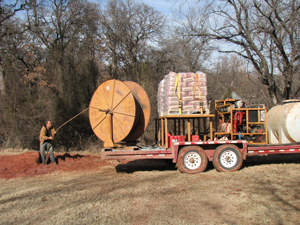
(167, 98)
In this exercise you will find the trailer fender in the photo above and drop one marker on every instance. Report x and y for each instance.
(209, 153)
(175, 153)
(244, 151)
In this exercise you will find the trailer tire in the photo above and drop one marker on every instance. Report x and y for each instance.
(227, 158)
(192, 159)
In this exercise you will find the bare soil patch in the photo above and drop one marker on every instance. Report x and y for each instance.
(28, 164)
(82, 189)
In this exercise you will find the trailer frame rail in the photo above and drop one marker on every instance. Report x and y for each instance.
(137, 153)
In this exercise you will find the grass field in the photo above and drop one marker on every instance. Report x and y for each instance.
(265, 191)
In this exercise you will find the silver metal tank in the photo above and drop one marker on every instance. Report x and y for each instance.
(284, 122)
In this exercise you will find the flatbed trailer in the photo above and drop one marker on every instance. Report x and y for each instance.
(191, 155)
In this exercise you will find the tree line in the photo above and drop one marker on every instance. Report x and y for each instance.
(54, 54)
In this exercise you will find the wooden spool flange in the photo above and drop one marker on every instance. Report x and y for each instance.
(119, 111)
(144, 106)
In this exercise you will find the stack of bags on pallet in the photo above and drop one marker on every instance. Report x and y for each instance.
(168, 99)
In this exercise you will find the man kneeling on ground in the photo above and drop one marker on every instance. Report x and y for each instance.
(47, 134)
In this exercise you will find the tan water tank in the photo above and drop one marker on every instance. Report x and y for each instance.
(284, 122)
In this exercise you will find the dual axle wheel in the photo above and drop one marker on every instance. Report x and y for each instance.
(192, 159)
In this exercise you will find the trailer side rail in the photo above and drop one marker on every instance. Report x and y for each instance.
(280, 149)
(137, 154)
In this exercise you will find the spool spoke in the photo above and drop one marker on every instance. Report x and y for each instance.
(105, 99)
(101, 110)
(121, 100)
(113, 95)
(124, 114)
(99, 122)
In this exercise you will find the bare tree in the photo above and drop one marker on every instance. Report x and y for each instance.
(49, 60)
(127, 26)
(230, 73)
(182, 53)
(7, 12)
(265, 32)
(67, 32)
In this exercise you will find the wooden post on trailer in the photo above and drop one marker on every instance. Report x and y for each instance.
(166, 133)
(175, 127)
(155, 132)
(186, 124)
(194, 130)
(204, 128)
(216, 119)
(231, 121)
(247, 120)
(198, 126)
(162, 132)
(211, 129)
(183, 127)
(158, 132)
(189, 130)
(266, 128)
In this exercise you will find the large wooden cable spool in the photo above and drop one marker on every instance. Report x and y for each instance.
(119, 112)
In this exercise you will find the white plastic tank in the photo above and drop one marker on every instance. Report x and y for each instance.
(284, 122)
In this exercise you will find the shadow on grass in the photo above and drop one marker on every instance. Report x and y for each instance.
(257, 160)
(69, 156)
(146, 165)
(59, 157)
(167, 165)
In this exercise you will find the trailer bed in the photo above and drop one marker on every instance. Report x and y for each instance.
(273, 149)
(134, 152)
(149, 152)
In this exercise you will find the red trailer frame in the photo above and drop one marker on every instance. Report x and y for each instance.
(192, 156)
(209, 147)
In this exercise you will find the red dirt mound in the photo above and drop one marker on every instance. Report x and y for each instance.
(28, 164)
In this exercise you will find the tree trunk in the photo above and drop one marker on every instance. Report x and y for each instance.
(272, 93)
(2, 83)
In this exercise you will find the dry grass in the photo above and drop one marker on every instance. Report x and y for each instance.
(13, 151)
(264, 191)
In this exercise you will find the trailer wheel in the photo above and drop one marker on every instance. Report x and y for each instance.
(192, 159)
(227, 158)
